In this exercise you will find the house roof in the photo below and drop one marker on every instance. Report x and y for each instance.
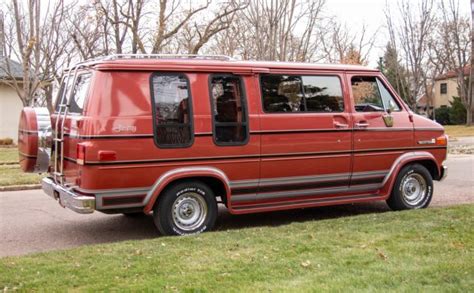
(15, 69)
(453, 74)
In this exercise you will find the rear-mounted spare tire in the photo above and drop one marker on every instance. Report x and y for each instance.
(34, 139)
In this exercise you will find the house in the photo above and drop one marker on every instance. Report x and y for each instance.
(10, 103)
(446, 87)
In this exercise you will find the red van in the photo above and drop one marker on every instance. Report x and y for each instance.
(176, 135)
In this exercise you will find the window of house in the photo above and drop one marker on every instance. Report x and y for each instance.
(292, 93)
(443, 88)
(171, 110)
(371, 95)
(229, 111)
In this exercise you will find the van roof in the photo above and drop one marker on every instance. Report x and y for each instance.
(218, 65)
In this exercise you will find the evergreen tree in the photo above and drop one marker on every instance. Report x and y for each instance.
(396, 74)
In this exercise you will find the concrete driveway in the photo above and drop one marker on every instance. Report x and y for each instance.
(32, 222)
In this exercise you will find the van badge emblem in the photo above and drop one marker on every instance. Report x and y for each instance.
(124, 128)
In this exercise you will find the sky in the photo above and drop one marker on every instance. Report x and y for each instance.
(356, 13)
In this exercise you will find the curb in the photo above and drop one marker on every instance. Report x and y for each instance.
(20, 187)
(8, 163)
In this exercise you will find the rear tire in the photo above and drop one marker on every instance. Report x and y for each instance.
(185, 208)
(413, 189)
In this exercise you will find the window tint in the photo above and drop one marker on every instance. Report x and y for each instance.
(171, 110)
(366, 94)
(228, 110)
(387, 98)
(323, 94)
(290, 93)
(81, 88)
(282, 93)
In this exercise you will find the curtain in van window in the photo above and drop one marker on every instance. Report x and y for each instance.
(172, 110)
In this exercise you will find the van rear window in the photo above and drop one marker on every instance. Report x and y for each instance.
(307, 93)
(81, 89)
(171, 110)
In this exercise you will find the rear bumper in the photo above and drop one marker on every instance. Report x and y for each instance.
(444, 172)
(67, 198)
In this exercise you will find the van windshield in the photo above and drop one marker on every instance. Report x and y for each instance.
(81, 88)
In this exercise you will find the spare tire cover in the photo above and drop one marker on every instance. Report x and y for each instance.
(34, 139)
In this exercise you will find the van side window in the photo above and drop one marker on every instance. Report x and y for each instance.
(323, 94)
(366, 94)
(282, 93)
(229, 111)
(171, 110)
(387, 98)
(309, 93)
(81, 88)
(371, 95)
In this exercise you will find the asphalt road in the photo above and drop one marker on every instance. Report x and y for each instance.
(32, 222)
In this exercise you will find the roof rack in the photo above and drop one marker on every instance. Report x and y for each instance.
(167, 56)
(93, 61)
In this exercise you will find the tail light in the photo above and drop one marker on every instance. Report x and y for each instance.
(81, 154)
(442, 140)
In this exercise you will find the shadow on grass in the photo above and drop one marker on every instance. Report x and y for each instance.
(227, 221)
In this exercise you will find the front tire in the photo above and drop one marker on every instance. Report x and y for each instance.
(185, 208)
(413, 189)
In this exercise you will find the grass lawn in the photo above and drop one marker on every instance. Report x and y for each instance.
(424, 250)
(459, 130)
(8, 155)
(12, 175)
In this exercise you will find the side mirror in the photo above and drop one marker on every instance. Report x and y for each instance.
(387, 118)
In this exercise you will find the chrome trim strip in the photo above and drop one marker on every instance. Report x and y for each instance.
(305, 201)
(115, 191)
(430, 141)
(24, 131)
(305, 179)
(279, 156)
(307, 192)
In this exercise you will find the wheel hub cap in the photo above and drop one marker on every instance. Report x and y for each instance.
(189, 211)
(414, 189)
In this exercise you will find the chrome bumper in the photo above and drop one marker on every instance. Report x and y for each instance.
(79, 203)
(444, 172)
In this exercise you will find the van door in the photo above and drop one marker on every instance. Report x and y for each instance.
(382, 130)
(305, 136)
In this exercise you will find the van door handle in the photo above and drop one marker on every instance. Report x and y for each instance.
(340, 125)
(362, 124)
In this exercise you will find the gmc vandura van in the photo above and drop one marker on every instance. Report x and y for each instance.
(174, 135)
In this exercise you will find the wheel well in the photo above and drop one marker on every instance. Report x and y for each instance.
(430, 166)
(216, 185)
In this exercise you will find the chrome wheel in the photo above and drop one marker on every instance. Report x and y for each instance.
(189, 211)
(414, 189)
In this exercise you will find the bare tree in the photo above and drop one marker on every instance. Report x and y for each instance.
(340, 45)
(24, 40)
(410, 36)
